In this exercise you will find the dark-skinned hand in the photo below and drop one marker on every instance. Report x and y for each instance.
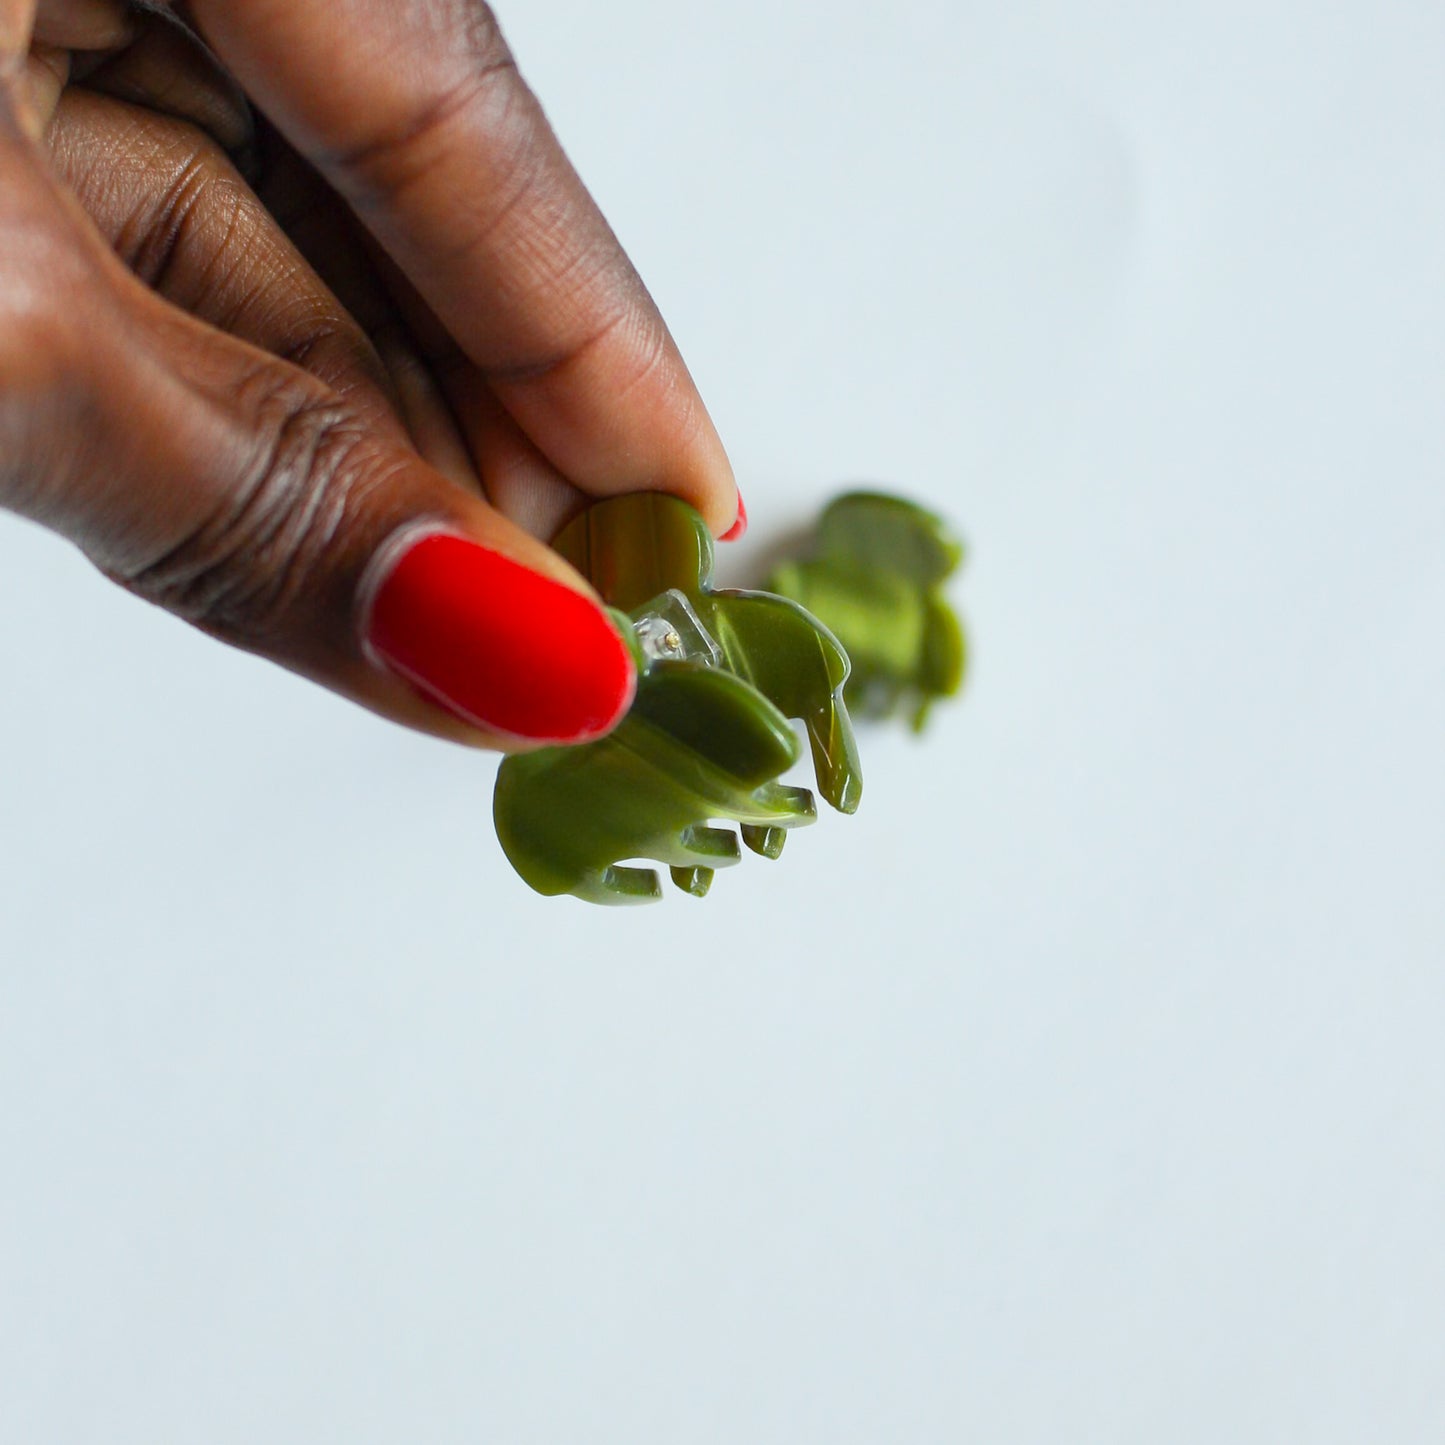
(310, 334)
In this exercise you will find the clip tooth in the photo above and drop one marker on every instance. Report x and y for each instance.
(794, 807)
(628, 885)
(693, 880)
(719, 846)
(764, 840)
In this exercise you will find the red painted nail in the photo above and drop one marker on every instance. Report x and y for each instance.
(498, 645)
(738, 527)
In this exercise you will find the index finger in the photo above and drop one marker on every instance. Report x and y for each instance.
(415, 112)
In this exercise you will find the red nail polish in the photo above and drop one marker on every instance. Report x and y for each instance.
(498, 645)
(738, 527)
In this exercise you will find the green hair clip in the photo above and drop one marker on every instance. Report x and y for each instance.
(875, 579)
(720, 675)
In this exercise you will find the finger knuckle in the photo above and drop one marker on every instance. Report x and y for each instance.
(198, 198)
(271, 559)
(329, 345)
(407, 141)
(481, 34)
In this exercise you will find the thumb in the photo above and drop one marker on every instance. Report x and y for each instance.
(248, 498)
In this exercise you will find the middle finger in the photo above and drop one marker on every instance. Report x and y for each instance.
(181, 217)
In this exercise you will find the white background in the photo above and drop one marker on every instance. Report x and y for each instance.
(1089, 1085)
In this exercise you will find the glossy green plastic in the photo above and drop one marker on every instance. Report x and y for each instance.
(720, 676)
(875, 579)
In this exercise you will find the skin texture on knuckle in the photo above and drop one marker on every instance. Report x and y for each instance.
(472, 60)
(180, 216)
(155, 187)
(270, 562)
(480, 93)
(414, 61)
(161, 192)
(187, 194)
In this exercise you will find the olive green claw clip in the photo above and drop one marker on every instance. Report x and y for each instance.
(875, 578)
(720, 675)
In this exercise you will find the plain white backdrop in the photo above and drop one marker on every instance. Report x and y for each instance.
(1087, 1086)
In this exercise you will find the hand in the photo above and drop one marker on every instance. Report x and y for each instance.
(318, 383)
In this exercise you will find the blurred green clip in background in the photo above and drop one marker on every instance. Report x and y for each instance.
(874, 577)
(720, 676)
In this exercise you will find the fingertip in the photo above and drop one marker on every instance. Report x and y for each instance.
(501, 647)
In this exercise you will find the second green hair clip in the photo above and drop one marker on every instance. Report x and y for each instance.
(874, 575)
